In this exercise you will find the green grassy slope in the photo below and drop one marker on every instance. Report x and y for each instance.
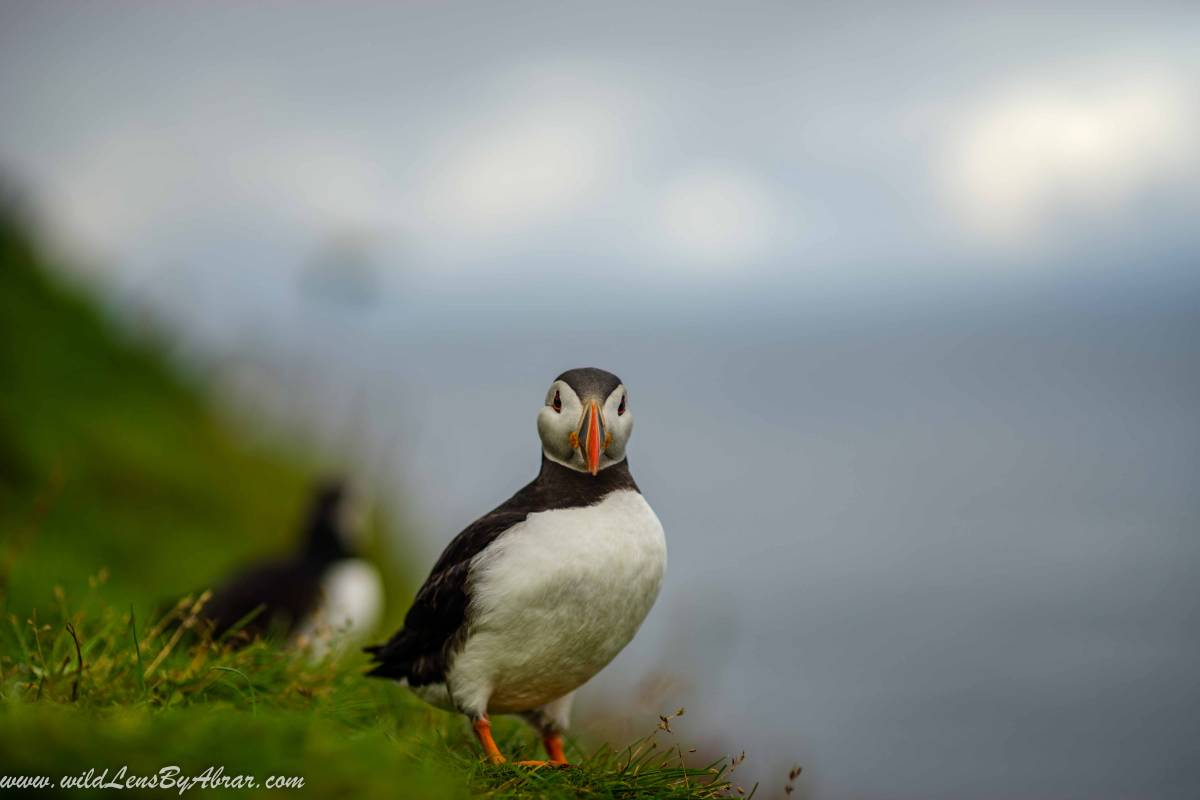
(107, 460)
(119, 488)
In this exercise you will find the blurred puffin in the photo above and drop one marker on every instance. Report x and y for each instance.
(321, 594)
(538, 595)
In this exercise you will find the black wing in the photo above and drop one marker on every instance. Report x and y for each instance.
(285, 591)
(420, 650)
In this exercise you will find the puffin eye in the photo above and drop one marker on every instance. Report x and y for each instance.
(621, 408)
(556, 404)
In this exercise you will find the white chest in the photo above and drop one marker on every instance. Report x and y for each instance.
(350, 607)
(557, 597)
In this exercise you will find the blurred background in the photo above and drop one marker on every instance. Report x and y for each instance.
(906, 297)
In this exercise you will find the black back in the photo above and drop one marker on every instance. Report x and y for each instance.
(420, 652)
(285, 591)
(278, 593)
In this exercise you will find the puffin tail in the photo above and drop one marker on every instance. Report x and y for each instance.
(382, 666)
(403, 659)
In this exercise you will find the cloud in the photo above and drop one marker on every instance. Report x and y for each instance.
(146, 189)
(325, 182)
(540, 150)
(1031, 153)
(715, 217)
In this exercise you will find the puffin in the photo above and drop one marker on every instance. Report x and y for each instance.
(321, 595)
(535, 597)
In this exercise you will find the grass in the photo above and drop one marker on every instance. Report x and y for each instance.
(84, 686)
(119, 488)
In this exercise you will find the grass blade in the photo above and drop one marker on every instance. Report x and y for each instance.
(137, 650)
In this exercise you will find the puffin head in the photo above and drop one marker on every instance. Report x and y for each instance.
(585, 422)
(337, 518)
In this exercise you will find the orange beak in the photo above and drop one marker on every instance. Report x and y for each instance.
(591, 437)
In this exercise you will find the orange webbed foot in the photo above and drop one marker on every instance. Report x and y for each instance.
(483, 731)
(554, 748)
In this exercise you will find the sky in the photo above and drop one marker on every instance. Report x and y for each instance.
(904, 294)
(801, 146)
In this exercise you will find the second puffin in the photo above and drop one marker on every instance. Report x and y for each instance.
(537, 596)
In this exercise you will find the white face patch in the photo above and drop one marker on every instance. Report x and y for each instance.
(560, 419)
(619, 420)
